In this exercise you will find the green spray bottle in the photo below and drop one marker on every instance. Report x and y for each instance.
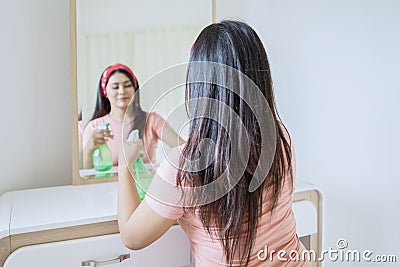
(102, 155)
(141, 174)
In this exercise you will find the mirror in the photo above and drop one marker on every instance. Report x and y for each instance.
(148, 36)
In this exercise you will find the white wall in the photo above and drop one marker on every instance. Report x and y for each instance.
(336, 71)
(36, 126)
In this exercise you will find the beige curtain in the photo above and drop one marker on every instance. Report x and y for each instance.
(95, 53)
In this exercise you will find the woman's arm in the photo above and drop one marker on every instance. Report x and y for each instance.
(94, 139)
(87, 157)
(139, 225)
(171, 138)
(164, 131)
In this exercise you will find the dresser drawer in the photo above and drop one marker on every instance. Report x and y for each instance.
(172, 249)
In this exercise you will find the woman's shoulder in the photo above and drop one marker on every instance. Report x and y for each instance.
(155, 120)
(154, 116)
(170, 164)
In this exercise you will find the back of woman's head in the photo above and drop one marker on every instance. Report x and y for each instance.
(234, 44)
(229, 79)
(234, 133)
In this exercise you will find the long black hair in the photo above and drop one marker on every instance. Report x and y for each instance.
(234, 217)
(103, 106)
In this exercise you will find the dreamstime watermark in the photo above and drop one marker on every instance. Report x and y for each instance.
(339, 254)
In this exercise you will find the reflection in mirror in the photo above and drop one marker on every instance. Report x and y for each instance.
(147, 37)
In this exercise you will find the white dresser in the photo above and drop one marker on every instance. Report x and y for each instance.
(77, 226)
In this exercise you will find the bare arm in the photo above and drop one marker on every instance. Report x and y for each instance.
(171, 138)
(98, 137)
(139, 225)
(87, 158)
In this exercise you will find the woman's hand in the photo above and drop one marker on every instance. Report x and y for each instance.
(98, 138)
(129, 151)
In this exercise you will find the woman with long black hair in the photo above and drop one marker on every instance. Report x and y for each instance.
(117, 86)
(230, 186)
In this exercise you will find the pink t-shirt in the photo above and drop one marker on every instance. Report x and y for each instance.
(155, 126)
(277, 231)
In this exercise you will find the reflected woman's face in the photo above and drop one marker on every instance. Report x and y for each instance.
(119, 90)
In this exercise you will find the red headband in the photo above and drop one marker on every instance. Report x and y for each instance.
(191, 48)
(106, 75)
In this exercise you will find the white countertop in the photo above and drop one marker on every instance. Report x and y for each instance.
(302, 186)
(64, 206)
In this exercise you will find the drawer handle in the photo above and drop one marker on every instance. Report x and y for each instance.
(93, 263)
